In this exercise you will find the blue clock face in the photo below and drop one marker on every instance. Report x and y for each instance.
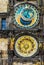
(26, 15)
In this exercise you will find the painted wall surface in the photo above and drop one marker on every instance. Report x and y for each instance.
(3, 6)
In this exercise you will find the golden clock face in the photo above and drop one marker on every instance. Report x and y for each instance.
(26, 46)
(26, 15)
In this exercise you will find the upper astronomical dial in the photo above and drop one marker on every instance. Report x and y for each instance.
(26, 15)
